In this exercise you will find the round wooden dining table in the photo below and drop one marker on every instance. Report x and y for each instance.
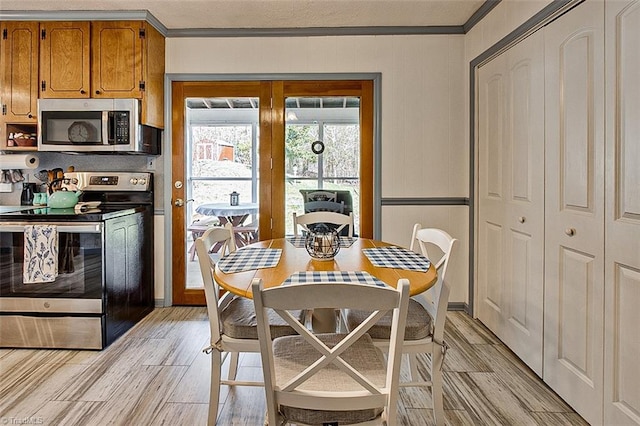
(296, 259)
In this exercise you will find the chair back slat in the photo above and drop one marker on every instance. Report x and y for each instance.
(285, 297)
(304, 220)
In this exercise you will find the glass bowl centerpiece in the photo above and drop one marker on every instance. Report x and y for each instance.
(322, 242)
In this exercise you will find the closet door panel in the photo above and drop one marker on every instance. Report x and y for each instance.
(576, 144)
(574, 209)
(491, 123)
(525, 206)
(622, 248)
(511, 198)
(575, 309)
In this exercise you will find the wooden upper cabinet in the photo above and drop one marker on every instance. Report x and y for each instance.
(127, 61)
(153, 71)
(19, 68)
(65, 59)
(80, 59)
(116, 52)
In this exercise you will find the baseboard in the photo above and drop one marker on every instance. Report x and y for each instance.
(458, 306)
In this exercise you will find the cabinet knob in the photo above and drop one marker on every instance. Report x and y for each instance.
(570, 232)
(82, 92)
(30, 116)
(522, 219)
(97, 92)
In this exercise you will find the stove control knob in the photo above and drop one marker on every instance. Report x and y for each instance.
(74, 181)
(133, 181)
(142, 181)
(47, 305)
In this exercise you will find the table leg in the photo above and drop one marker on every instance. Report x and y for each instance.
(323, 320)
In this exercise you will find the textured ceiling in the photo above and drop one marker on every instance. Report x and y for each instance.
(190, 14)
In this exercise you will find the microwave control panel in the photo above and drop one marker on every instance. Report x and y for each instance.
(121, 127)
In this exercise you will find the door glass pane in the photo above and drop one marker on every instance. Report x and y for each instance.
(322, 152)
(222, 158)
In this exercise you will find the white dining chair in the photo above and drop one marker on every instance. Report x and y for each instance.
(232, 319)
(426, 316)
(331, 378)
(340, 220)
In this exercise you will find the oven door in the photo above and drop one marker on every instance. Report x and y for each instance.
(78, 287)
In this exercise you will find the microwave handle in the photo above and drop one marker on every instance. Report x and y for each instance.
(111, 128)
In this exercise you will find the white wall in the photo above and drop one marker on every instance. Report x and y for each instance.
(424, 151)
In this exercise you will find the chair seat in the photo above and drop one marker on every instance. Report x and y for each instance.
(292, 354)
(418, 323)
(239, 320)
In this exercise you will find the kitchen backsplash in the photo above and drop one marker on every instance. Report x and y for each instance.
(84, 162)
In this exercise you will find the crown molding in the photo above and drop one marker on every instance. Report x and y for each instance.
(145, 15)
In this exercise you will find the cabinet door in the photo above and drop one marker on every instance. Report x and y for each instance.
(19, 77)
(574, 210)
(511, 198)
(622, 223)
(64, 59)
(116, 55)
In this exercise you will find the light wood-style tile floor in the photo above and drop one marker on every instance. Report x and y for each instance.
(157, 374)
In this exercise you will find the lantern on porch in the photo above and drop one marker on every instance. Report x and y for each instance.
(235, 198)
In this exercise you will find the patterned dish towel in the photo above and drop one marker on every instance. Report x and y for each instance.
(397, 257)
(40, 254)
(333, 276)
(250, 258)
(299, 240)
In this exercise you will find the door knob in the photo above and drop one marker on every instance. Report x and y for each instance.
(570, 232)
(522, 219)
(179, 202)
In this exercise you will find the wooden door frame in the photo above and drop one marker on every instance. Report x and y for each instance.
(271, 111)
(181, 91)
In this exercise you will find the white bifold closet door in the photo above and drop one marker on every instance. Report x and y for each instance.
(622, 224)
(574, 213)
(510, 249)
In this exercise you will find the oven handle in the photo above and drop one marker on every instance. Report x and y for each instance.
(84, 228)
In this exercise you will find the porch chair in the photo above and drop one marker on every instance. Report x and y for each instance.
(197, 228)
(341, 220)
(322, 201)
(231, 319)
(324, 206)
(425, 319)
(319, 195)
(331, 378)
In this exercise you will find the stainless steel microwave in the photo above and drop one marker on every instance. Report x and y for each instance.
(95, 125)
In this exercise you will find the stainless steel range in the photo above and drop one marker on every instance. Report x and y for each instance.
(104, 262)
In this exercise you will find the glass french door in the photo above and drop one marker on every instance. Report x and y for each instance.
(259, 141)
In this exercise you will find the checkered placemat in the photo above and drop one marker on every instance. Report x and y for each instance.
(397, 257)
(298, 241)
(250, 258)
(333, 276)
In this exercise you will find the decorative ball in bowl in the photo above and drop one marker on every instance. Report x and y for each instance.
(322, 244)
